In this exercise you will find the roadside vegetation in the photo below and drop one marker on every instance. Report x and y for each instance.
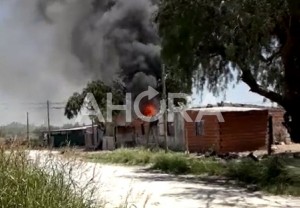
(29, 184)
(274, 175)
(22, 184)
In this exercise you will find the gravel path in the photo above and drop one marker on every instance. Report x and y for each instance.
(116, 184)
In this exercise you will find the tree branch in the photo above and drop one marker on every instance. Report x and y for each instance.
(248, 78)
(270, 59)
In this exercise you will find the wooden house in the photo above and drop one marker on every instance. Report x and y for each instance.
(243, 129)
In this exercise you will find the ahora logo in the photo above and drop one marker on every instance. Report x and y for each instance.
(91, 108)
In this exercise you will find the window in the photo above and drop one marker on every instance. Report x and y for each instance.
(199, 128)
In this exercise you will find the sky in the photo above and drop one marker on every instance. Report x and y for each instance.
(36, 65)
(11, 110)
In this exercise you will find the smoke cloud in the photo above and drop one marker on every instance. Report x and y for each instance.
(36, 62)
(51, 48)
(119, 38)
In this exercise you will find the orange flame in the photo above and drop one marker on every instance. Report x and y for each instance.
(150, 110)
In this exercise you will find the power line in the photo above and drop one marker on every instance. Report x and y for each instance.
(31, 103)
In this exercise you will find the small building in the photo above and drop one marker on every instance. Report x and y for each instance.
(280, 133)
(142, 133)
(243, 129)
(85, 136)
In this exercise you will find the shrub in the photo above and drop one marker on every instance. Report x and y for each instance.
(169, 163)
(24, 185)
(123, 156)
(272, 175)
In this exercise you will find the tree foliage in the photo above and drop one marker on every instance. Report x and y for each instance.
(99, 91)
(218, 39)
(212, 41)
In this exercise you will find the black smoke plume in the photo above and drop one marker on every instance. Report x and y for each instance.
(119, 39)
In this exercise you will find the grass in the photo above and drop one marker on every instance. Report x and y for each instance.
(273, 175)
(176, 163)
(24, 185)
(124, 156)
(30, 184)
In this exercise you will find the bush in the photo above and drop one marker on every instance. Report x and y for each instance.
(207, 166)
(24, 185)
(123, 156)
(271, 175)
(176, 163)
(169, 163)
(246, 170)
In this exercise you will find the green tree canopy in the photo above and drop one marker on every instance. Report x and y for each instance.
(99, 91)
(212, 41)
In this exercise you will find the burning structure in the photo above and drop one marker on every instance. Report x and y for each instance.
(119, 39)
(111, 39)
(138, 132)
(116, 39)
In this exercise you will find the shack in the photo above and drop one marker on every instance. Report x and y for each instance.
(84, 136)
(243, 129)
(142, 133)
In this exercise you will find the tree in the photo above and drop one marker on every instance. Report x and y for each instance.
(99, 90)
(257, 41)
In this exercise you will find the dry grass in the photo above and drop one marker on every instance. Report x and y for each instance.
(24, 184)
(274, 175)
(45, 182)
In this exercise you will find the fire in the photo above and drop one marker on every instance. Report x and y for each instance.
(150, 110)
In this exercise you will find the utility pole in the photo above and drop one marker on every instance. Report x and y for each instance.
(28, 140)
(48, 121)
(165, 112)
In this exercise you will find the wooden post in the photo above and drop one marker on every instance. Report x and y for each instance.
(28, 140)
(270, 137)
(165, 113)
(186, 141)
(48, 123)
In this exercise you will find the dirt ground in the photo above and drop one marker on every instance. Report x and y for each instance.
(137, 186)
(278, 149)
(287, 148)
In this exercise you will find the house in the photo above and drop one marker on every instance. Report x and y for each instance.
(142, 133)
(280, 133)
(243, 129)
(84, 136)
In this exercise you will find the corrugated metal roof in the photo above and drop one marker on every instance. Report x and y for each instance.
(227, 109)
(73, 129)
(225, 104)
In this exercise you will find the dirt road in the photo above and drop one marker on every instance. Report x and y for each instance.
(116, 184)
